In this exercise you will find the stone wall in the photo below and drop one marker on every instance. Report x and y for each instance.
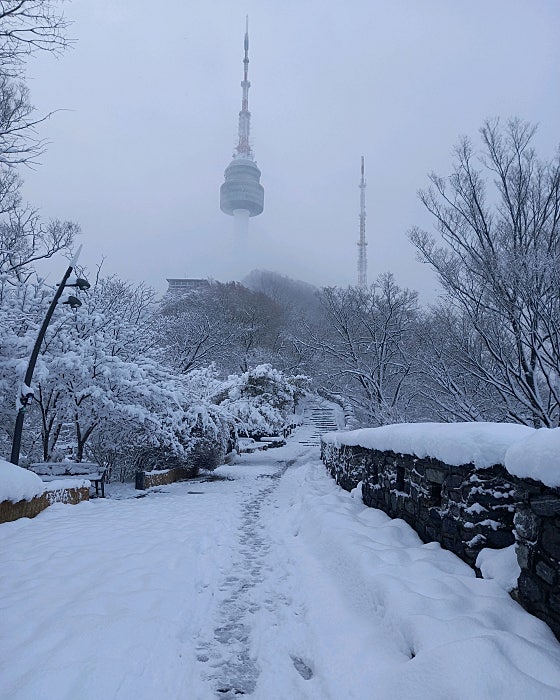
(146, 480)
(537, 529)
(29, 509)
(465, 509)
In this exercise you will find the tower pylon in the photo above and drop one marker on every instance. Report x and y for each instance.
(362, 243)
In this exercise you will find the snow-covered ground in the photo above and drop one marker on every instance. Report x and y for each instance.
(272, 582)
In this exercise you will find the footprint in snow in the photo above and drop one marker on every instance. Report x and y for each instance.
(302, 668)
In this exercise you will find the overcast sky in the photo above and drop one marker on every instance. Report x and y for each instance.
(151, 92)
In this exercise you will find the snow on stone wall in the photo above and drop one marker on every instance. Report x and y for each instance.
(18, 484)
(525, 452)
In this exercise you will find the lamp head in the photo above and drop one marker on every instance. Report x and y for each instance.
(82, 284)
(73, 302)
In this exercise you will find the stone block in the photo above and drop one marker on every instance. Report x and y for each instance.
(455, 495)
(554, 602)
(435, 475)
(453, 481)
(524, 555)
(551, 539)
(526, 523)
(530, 588)
(547, 505)
(409, 506)
(432, 534)
(435, 516)
(546, 572)
(498, 539)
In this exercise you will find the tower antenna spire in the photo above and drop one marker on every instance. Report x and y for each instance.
(243, 145)
(362, 243)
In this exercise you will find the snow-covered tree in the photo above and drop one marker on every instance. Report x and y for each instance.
(259, 401)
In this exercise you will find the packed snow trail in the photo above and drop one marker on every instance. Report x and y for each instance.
(228, 652)
(269, 583)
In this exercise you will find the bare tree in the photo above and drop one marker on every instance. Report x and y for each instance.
(365, 347)
(223, 323)
(447, 384)
(499, 265)
(25, 239)
(26, 27)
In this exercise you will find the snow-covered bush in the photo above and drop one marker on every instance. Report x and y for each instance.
(259, 401)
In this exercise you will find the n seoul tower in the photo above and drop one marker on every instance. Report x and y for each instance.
(362, 243)
(242, 195)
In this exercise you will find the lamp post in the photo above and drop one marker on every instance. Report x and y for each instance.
(26, 392)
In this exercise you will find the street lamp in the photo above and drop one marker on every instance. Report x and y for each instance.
(26, 392)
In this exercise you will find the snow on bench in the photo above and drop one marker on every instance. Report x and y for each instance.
(250, 445)
(62, 471)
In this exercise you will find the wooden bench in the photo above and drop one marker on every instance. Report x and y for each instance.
(54, 471)
(249, 445)
(274, 441)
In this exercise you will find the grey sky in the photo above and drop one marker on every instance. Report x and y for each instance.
(152, 93)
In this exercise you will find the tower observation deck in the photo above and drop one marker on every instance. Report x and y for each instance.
(242, 195)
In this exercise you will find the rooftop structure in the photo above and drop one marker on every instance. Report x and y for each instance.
(181, 285)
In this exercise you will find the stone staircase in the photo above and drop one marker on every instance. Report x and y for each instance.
(321, 416)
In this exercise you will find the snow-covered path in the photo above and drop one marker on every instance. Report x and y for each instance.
(271, 582)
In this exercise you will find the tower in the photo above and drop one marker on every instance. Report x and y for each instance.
(242, 195)
(362, 243)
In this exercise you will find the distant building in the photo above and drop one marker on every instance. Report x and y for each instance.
(182, 285)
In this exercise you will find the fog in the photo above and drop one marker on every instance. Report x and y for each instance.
(149, 98)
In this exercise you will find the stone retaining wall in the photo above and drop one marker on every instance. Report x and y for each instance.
(465, 509)
(537, 530)
(29, 509)
(146, 480)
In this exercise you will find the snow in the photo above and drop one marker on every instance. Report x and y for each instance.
(54, 470)
(536, 457)
(18, 484)
(500, 565)
(271, 580)
(62, 484)
(482, 444)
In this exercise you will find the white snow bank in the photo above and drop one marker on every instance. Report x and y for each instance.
(438, 631)
(18, 484)
(482, 444)
(500, 565)
(536, 457)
